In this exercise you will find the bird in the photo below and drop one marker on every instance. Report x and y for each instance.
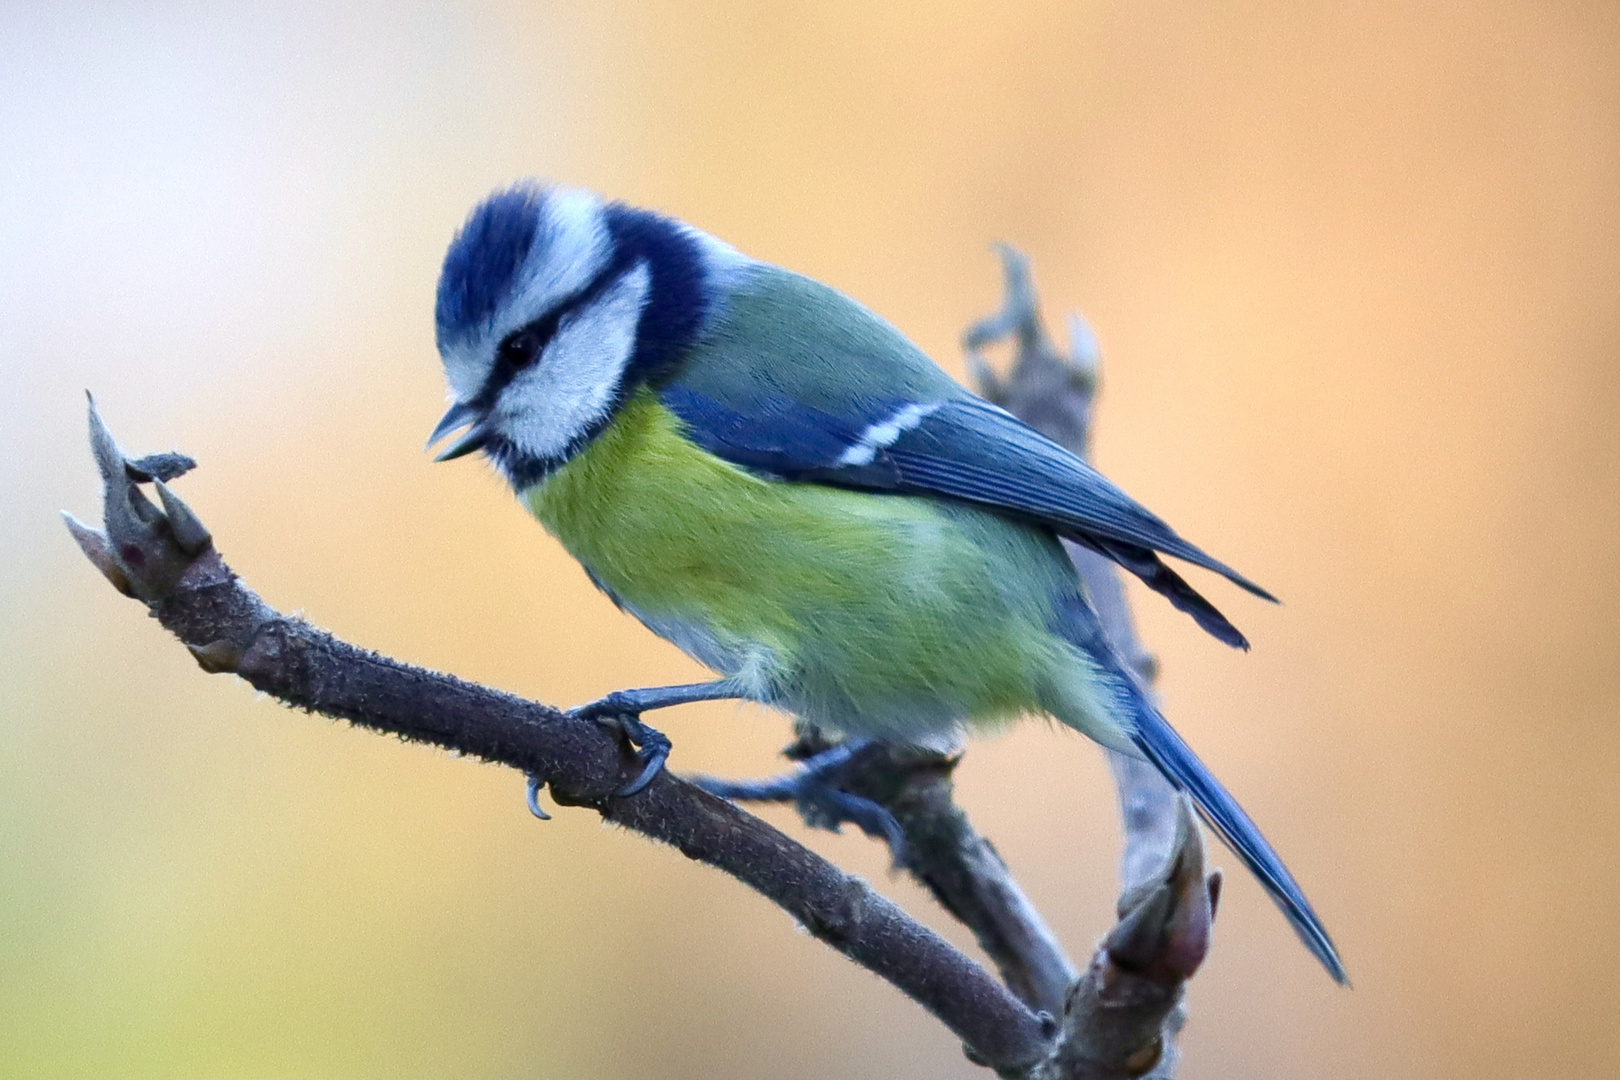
(778, 481)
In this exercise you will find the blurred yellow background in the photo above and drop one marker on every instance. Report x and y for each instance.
(1355, 272)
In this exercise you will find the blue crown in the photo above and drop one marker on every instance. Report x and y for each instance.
(484, 258)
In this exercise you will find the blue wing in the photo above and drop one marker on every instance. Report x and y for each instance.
(847, 400)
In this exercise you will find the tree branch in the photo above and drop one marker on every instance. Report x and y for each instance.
(958, 866)
(1121, 1018)
(166, 558)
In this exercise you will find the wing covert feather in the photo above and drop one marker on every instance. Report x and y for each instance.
(800, 382)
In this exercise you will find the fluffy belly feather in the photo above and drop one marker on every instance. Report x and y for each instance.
(884, 615)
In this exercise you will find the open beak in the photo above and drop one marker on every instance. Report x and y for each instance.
(461, 415)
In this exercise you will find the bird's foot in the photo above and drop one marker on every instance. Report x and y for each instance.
(652, 750)
(813, 788)
(621, 709)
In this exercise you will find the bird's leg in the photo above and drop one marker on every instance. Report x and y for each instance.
(624, 708)
(636, 702)
(813, 787)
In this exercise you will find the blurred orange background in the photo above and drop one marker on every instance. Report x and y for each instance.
(1355, 272)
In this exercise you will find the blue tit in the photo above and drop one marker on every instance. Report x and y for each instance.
(777, 481)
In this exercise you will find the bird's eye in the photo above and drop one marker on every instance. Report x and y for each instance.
(518, 351)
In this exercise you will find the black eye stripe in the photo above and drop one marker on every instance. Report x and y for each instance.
(672, 315)
(520, 349)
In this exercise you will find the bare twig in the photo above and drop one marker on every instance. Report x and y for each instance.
(165, 557)
(958, 866)
(1121, 1017)
(1053, 391)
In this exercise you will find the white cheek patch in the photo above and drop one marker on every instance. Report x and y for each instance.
(571, 248)
(548, 407)
(885, 433)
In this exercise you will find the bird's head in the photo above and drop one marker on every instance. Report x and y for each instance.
(552, 307)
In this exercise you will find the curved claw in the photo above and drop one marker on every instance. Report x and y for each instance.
(535, 784)
(624, 708)
(654, 748)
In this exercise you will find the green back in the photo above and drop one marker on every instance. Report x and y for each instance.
(825, 349)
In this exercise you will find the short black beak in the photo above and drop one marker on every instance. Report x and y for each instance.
(460, 415)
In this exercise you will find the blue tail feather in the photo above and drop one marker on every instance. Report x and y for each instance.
(1172, 756)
